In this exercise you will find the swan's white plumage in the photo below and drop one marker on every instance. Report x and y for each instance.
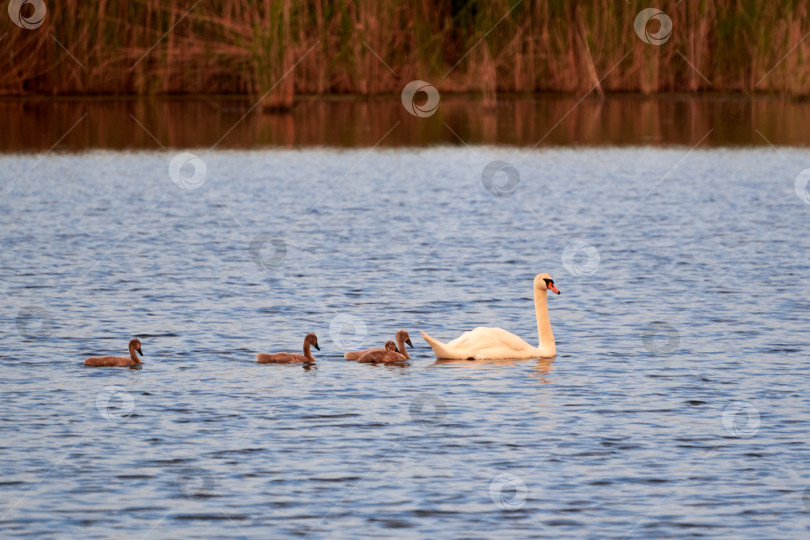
(484, 343)
(493, 343)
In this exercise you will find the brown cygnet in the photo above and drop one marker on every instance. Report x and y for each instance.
(389, 355)
(291, 358)
(402, 338)
(108, 361)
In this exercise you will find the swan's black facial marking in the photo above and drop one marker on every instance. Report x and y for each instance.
(550, 285)
(548, 281)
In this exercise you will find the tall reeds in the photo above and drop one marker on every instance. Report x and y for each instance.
(373, 47)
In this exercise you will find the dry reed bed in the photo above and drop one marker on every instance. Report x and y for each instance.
(371, 47)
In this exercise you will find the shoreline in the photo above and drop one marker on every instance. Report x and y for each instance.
(383, 97)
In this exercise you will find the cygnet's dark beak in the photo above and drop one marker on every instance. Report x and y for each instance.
(408, 341)
(139, 351)
(316, 346)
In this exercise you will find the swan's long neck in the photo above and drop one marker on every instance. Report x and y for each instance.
(308, 352)
(133, 353)
(543, 324)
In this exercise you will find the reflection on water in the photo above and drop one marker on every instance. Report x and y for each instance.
(543, 120)
(541, 366)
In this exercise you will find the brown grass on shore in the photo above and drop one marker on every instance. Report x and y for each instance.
(370, 47)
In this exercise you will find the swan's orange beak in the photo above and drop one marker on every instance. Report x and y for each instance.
(553, 288)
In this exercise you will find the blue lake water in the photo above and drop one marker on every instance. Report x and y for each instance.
(677, 404)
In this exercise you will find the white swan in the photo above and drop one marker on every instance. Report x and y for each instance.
(492, 343)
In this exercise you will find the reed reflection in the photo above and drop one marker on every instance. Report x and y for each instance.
(547, 120)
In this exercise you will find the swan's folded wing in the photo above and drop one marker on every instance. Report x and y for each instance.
(489, 338)
(465, 338)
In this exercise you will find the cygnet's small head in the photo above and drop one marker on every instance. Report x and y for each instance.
(312, 339)
(390, 346)
(543, 282)
(404, 337)
(135, 345)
